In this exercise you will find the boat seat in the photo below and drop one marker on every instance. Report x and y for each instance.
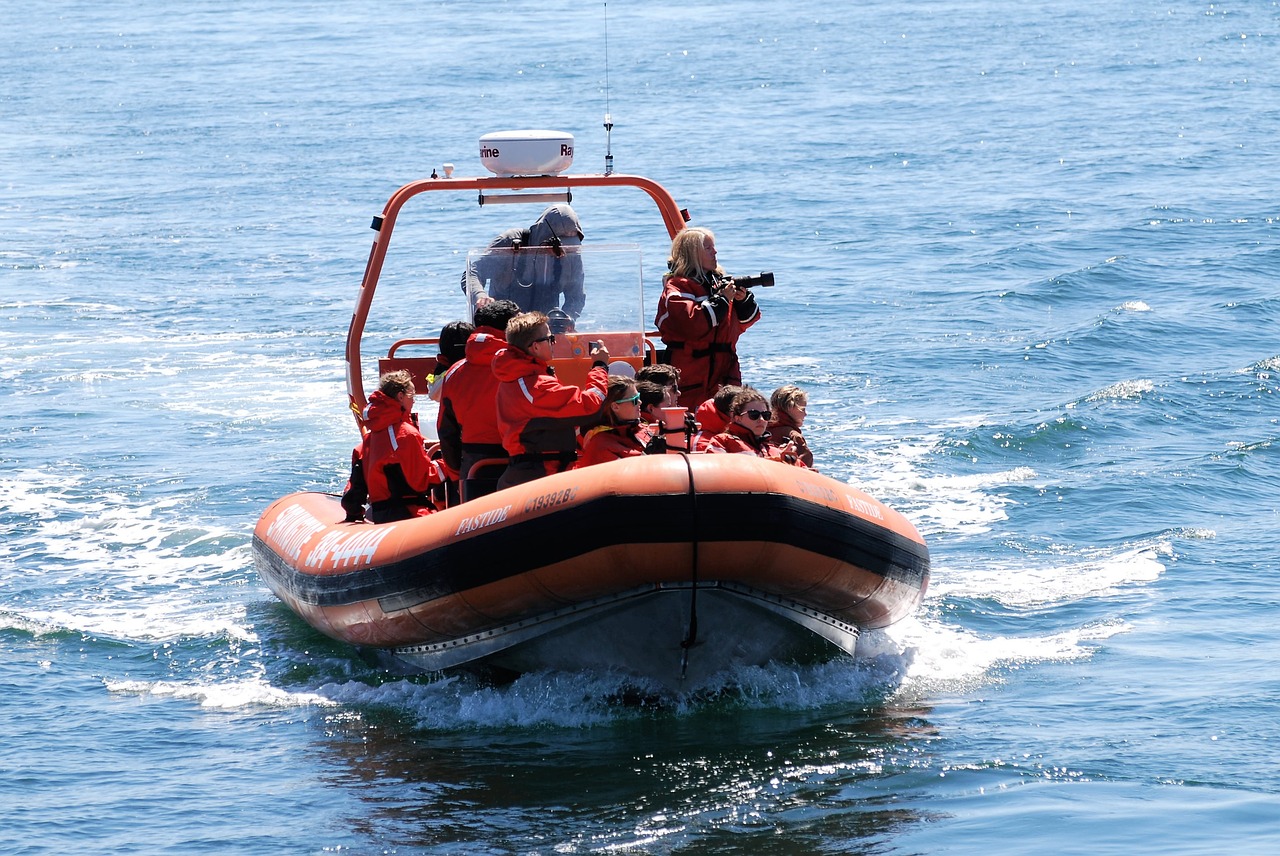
(418, 367)
(570, 355)
(482, 478)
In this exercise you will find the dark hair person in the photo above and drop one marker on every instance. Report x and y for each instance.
(747, 432)
(624, 434)
(467, 423)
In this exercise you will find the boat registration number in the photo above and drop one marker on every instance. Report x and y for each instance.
(551, 500)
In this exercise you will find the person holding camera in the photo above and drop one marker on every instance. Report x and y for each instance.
(538, 415)
(701, 314)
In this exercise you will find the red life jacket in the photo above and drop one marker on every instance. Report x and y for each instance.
(701, 334)
(608, 443)
(467, 413)
(397, 470)
(537, 414)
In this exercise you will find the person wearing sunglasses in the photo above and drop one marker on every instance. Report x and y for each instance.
(748, 430)
(538, 416)
(623, 433)
(666, 376)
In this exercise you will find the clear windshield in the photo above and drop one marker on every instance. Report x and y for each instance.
(582, 288)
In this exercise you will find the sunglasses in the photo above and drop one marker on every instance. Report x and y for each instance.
(551, 339)
(757, 414)
(635, 397)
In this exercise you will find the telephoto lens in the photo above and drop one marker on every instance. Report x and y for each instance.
(764, 279)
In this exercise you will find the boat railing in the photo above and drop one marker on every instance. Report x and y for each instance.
(418, 367)
(673, 218)
(571, 355)
(404, 343)
(571, 358)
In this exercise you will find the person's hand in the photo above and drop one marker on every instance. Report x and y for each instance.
(482, 299)
(599, 352)
(733, 292)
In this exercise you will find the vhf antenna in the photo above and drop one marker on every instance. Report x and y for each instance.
(608, 119)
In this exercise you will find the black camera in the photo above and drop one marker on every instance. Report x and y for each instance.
(764, 279)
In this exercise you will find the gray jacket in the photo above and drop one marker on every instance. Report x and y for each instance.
(539, 268)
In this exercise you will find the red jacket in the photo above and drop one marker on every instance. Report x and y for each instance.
(538, 414)
(710, 423)
(467, 413)
(610, 443)
(394, 458)
(738, 440)
(701, 332)
(784, 429)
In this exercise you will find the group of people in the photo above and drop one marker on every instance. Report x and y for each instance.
(505, 419)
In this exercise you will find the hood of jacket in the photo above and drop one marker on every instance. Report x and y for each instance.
(511, 364)
(382, 410)
(711, 419)
(484, 344)
(782, 422)
(558, 221)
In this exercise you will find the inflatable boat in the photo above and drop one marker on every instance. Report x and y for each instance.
(671, 568)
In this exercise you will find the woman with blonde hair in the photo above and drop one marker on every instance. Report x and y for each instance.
(701, 314)
(790, 403)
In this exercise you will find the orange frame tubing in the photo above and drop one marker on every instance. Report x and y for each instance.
(672, 217)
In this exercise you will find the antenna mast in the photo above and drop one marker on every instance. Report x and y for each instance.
(608, 119)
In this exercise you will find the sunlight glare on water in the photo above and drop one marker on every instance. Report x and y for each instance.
(1026, 262)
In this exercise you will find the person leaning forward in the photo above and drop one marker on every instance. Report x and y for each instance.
(537, 415)
(540, 268)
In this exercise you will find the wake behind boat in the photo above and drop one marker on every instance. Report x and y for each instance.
(671, 568)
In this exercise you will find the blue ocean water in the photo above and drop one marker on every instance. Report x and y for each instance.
(1029, 271)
